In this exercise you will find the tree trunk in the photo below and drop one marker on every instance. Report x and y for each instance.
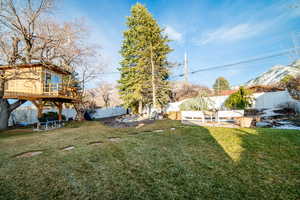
(153, 79)
(4, 114)
(140, 110)
(5, 107)
(5, 110)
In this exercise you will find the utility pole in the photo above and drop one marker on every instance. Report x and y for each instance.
(186, 68)
(153, 78)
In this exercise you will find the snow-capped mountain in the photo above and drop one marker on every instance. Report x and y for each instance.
(275, 74)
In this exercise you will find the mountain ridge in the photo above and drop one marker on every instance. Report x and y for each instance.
(275, 74)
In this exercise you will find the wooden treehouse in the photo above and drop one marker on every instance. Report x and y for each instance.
(41, 84)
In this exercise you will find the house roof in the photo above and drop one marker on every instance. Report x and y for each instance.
(52, 67)
(265, 88)
(225, 92)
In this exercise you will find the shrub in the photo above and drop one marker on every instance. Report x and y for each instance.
(50, 116)
(202, 102)
(286, 79)
(293, 87)
(239, 100)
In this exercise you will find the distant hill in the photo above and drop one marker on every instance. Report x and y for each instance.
(275, 74)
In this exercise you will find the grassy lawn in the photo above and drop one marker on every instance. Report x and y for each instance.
(185, 163)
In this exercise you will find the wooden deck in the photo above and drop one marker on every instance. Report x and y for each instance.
(44, 96)
(50, 92)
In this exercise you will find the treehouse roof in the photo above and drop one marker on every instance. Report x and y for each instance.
(52, 67)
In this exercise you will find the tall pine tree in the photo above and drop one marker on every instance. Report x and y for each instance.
(144, 67)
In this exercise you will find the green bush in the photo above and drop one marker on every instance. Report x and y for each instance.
(50, 116)
(286, 79)
(202, 102)
(239, 100)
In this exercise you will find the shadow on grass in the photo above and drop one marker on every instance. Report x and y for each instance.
(264, 163)
(189, 163)
(16, 132)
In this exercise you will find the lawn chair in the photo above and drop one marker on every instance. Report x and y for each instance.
(229, 115)
(193, 116)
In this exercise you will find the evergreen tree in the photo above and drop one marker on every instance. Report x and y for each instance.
(144, 51)
(221, 84)
(239, 100)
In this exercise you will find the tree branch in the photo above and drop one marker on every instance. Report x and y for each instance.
(16, 105)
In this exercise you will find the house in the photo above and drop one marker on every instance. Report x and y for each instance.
(262, 100)
(41, 84)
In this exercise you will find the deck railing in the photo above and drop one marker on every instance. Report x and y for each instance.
(51, 90)
(58, 89)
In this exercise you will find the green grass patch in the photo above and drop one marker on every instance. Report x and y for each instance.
(186, 163)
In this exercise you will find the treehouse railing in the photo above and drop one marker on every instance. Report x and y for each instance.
(51, 90)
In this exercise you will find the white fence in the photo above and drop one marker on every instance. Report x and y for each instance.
(193, 115)
(261, 100)
(109, 112)
(28, 115)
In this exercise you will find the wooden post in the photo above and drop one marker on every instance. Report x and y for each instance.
(60, 111)
(59, 106)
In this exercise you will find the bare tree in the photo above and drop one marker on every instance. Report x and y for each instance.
(29, 34)
(18, 20)
(105, 90)
(88, 71)
(182, 90)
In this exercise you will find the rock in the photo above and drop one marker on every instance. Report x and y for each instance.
(264, 124)
(172, 129)
(158, 131)
(114, 139)
(29, 154)
(140, 125)
(246, 122)
(68, 148)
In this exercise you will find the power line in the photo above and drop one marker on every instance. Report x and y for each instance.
(240, 62)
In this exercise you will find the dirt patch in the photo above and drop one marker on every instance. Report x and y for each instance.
(95, 143)
(114, 139)
(28, 154)
(68, 148)
(115, 123)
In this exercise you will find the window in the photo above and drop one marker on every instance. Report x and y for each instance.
(51, 77)
(52, 81)
(55, 78)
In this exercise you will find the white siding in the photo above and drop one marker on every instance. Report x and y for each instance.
(261, 100)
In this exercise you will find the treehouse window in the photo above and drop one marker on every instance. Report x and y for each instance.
(55, 78)
(51, 78)
(52, 81)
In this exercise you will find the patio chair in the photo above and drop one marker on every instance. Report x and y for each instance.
(229, 114)
(193, 116)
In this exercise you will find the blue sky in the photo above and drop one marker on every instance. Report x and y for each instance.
(213, 32)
